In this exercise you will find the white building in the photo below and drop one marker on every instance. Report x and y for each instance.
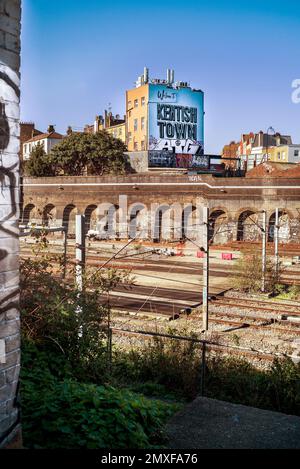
(48, 140)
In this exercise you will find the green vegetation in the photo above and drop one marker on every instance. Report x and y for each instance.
(39, 164)
(248, 274)
(77, 393)
(60, 412)
(79, 154)
(289, 293)
(174, 367)
(67, 399)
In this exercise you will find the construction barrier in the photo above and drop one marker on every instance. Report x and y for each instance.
(226, 256)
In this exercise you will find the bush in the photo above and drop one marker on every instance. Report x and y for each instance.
(67, 414)
(173, 367)
(58, 317)
(172, 363)
(248, 275)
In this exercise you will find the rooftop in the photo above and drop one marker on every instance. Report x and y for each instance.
(54, 135)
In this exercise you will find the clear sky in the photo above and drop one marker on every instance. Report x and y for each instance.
(80, 55)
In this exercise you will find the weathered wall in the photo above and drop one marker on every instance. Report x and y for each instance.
(232, 201)
(10, 16)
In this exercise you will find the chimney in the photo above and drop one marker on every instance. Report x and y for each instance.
(51, 129)
(278, 139)
(69, 130)
(168, 76)
(146, 75)
(260, 138)
(172, 76)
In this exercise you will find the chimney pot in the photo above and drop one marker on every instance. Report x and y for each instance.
(51, 129)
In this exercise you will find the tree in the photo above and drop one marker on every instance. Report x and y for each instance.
(98, 154)
(38, 164)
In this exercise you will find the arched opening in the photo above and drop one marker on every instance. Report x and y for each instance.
(283, 227)
(167, 223)
(248, 226)
(27, 214)
(91, 218)
(48, 215)
(217, 227)
(138, 221)
(189, 222)
(69, 219)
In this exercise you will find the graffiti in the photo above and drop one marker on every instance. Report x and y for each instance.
(4, 128)
(175, 128)
(9, 115)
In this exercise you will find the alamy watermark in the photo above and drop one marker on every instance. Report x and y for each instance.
(296, 91)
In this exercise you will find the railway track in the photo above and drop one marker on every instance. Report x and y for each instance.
(257, 305)
(230, 350)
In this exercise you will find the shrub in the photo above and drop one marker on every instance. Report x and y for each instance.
(248, 274)
(58, 317)
(67, 414)
(172, 363)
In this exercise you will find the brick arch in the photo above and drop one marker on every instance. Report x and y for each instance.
(167, 222)
(247, 229)
(217, 230)
(91, 219)
(68, 218)
(27, 213)
(189, 221)
(48, 214)
(138, 221)
(284, 225)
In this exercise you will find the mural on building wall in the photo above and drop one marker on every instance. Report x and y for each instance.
(176, 135)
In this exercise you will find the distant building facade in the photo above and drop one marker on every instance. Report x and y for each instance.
(166, 119)
(48, 140)
(27, 131)
(230, 154)
(285, 154)
(114, 125)
(255, 148)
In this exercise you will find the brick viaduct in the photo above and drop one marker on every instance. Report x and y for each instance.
(167, 204)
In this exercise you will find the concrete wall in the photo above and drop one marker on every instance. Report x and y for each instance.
(10, 16)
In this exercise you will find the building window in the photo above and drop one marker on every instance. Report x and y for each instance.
(278, 155)
(143, 101)
(143, 145)
(136, 103)
(129, 105)
(135, 146)
(120, 131)
(135, 125)
(296, 153)
(283, 155)
(142, 123)
(129, 137)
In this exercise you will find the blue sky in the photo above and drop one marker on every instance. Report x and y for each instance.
(80, 55)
